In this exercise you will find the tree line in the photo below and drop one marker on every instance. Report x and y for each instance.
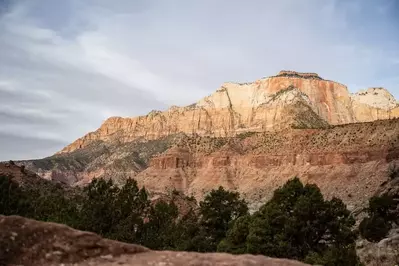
(297, 223)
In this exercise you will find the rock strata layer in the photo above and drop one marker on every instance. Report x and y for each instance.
(348, 161)
(289, 99)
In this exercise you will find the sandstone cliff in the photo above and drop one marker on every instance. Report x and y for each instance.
(289, 99)
(373, 104)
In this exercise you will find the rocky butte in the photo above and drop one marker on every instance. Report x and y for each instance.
(249, 137)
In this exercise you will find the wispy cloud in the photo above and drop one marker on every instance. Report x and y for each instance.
(65, 66)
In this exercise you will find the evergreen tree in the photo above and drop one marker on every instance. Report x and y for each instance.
(98, 213)
(297, 223)
(218, 209)
(235, 241)
(130, 206)
(382, 212)
(160, 230)
(12, 199)
(189, 233)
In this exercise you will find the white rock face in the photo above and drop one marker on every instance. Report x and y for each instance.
(376, 97)
(235, 94)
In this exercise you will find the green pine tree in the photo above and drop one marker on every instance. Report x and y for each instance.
(217, 210)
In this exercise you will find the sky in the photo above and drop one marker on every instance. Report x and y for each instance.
(66, 66)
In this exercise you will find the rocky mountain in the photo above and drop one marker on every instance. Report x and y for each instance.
(249, 137)
(289, 99)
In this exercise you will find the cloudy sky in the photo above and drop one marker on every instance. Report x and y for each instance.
(65, 66)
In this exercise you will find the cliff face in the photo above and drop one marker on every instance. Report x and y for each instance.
(349, 162)
(289, 99)
(373, 104)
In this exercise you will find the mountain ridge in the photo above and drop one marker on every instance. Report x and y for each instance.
(241, 107)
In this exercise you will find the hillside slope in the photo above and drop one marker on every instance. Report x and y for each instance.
(348, 161)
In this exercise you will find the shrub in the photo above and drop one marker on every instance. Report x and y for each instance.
(382, 212)
(374, 228)
(245, 135)
(383, 206)
(12, 199)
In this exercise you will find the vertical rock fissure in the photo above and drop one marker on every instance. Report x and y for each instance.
(231, 110)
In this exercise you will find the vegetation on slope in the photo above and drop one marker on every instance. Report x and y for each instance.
(383, 210)
(297, 223)
(120, 159)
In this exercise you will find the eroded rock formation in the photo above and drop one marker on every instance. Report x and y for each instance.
(349, 162)
(383, 105)
(289, 99)
(29, 242)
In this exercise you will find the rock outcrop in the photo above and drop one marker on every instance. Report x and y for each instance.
(383, 253)
(373, 104)
(29, 242)
(289, 99)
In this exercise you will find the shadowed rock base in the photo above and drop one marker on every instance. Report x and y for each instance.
(29, 242)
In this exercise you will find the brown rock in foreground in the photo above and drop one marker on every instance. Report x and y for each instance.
(29, 242)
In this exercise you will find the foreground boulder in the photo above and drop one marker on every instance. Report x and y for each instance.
(29, 242)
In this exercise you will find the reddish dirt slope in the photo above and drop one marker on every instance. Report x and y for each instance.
(348, 161)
